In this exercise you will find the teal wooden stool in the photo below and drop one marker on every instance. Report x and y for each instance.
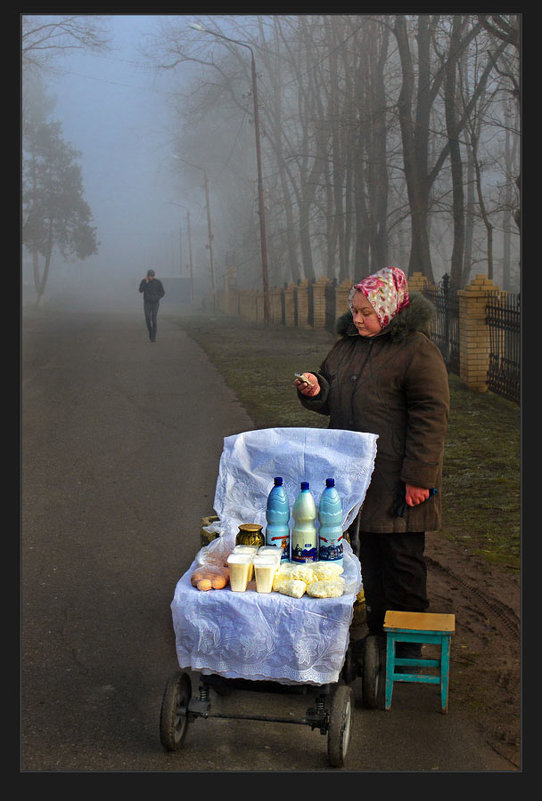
(418, 627)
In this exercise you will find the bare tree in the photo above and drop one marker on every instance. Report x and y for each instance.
(360, 139)
(46, 38)
(507, 29)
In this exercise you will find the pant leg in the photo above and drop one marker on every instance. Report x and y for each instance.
(151, 315)
(405, 571)
(394, 574)
(370, 558)
(154, 319)
(148, 316)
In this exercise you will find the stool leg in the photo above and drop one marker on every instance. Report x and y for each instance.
(390, 668)
(444, 672)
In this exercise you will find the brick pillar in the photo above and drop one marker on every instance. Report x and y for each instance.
(417, 282)
(319, 302)
(243, 304)
(474, 333)
(289, 306)
(231, 292)
(341, 298)
(275, 301)
(249, 304)
(303, 304)
(258, 306)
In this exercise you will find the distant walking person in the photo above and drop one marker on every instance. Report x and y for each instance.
(153, 290)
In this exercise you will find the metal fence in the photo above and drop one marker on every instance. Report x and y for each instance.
(503, 318)
(445, 330)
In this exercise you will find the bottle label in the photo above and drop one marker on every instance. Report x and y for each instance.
(331, 549)
(303, 550)
(281, 541)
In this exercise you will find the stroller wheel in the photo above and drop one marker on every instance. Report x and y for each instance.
(373, 664)
(340, 719)
(349, 672)
(174, 711)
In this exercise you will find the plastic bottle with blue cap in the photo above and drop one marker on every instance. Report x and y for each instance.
(304, 538)
(277, 513)
(330, 518)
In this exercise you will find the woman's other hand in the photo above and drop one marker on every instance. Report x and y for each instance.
(415, 495)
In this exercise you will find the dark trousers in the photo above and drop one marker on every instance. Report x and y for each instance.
(151, 314)
(394, 574)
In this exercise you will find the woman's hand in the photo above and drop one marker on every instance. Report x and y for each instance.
(415, 495)
(310, 389)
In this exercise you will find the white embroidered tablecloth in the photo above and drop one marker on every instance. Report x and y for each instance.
(273, 636)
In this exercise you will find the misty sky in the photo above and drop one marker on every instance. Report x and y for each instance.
(114, 110)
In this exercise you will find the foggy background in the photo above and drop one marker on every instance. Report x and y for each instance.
(148, 136)
(114, 110)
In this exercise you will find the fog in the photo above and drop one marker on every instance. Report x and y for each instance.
(114, 110)
(129, 121)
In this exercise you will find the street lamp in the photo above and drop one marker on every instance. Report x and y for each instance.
(209, 229)
(263, 240)
(190, 263)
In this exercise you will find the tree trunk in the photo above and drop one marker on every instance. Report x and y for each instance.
(452, 127)
(415, 137)
(483, 211)
(469, 224)
(40, 281)
(377, 51)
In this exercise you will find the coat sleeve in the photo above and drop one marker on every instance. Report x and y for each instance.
(161, 290)
(428, 405)
(142, 285)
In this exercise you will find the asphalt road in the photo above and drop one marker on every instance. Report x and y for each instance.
(121, 440)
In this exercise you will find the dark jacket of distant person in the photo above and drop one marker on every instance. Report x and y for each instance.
(152, 290)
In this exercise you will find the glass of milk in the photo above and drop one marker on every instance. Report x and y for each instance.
(240, 565)
(265, 566)
(251, 550)
(271, 550)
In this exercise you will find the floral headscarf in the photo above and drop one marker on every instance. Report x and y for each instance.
(386, 291)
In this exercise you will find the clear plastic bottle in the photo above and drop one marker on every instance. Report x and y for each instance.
(330, 518)
(277, 532)
(304, 539)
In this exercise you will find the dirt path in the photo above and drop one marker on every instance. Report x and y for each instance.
(486, 673)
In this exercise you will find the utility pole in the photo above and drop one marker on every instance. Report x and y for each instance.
(190, 257)
(210, 236)
(261, 206)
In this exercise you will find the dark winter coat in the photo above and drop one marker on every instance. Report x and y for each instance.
(152, 290)
(394, 384)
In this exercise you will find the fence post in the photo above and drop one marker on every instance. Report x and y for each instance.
(275, 294)
(289, 306)
(417, 282)
(259, 303)
(341, 298)
(474, 332)
(243, 304)
(303, 304)
(319, 302)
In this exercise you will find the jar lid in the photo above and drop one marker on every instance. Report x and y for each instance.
(250, 527)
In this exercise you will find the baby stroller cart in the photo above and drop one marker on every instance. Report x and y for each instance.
(270, 641)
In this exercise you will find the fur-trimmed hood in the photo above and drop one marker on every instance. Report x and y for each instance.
(416, 317)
